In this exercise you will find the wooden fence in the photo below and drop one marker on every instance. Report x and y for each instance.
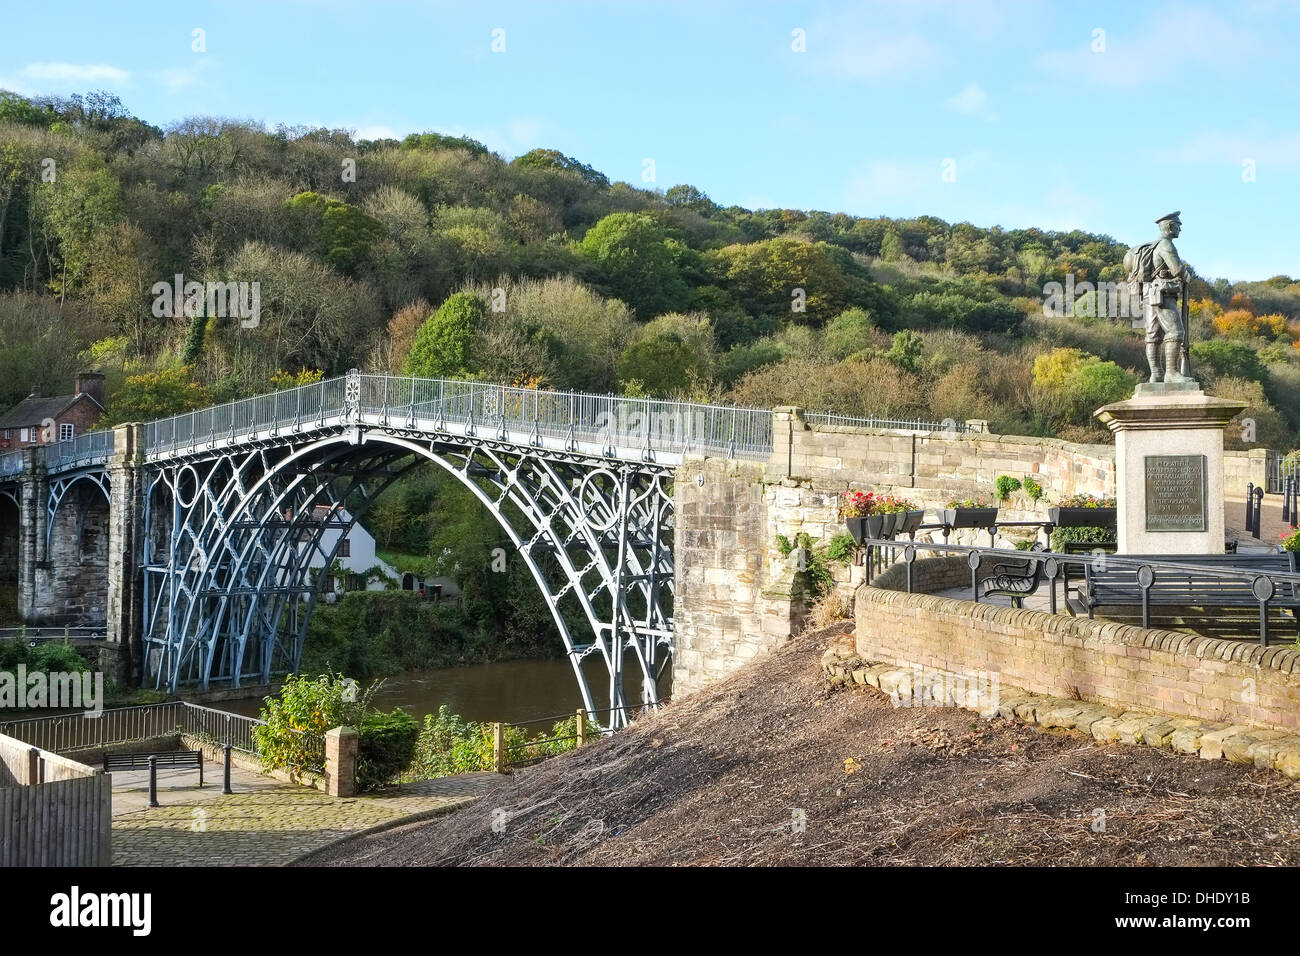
(53, 811)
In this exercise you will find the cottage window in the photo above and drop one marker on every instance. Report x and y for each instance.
(67, 431)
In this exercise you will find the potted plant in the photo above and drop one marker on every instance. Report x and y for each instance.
(970, 513)
(1291, 545)
(901, 516)
(1084, 511)
(857, 509)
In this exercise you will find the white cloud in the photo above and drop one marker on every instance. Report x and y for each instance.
(1222, 148)
(972, 100)
(873, 57)
(1171, 38)
(56, 77)
(179, 78)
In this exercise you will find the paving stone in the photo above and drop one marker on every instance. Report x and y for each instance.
(1240, 748)
(1212, 741)
(1132, 729)
(1158, 735)
(274, 825)
(1187, 740)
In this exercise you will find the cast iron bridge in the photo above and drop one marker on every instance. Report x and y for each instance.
(229, 505)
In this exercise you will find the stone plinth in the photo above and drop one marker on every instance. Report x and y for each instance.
(1169, 469)
(341, 745)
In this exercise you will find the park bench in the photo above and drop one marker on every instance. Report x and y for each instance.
(1015, 579)
(1114, 591)
(167, 760)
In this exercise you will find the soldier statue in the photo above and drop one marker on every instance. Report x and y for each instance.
(1160, 279)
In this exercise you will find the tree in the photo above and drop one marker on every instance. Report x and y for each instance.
(1229, 359)
(776, 277)
(636, 261)
(554, 159)
(661, 365)
(342, 233)
(849, 332)
(152, 395)
(442, 347)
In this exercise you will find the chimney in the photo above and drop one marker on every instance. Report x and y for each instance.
(92, 384)
(36, 392)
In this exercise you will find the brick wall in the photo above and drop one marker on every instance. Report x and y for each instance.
(1108, 663)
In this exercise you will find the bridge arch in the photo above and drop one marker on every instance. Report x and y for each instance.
(591, 530)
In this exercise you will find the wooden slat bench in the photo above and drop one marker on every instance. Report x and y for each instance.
(167, 760)
(1173, 591)
(1015, 579)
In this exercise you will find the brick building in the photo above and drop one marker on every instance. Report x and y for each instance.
(62, 416)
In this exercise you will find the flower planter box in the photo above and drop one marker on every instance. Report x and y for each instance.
(909, 522)
(1083, 517)
(887, 524)
(970, 517)
(857, 528)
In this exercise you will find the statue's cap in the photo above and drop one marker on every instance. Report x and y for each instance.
(1168, 216)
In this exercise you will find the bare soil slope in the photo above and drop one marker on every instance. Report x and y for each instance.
(721, 776)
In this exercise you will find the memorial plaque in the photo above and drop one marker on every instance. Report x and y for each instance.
(1175, 492)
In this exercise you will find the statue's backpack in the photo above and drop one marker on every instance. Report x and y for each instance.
(1140, 261)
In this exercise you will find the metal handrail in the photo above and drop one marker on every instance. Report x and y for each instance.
(886, 424)
(505, 412)
(1264, 583)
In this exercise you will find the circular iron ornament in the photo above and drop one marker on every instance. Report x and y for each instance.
(1051, 567)
(974, 559)
(1262, 587)
(352, 395)
(181, 474)
(909, 554)
(1146, 576)
(587, 503)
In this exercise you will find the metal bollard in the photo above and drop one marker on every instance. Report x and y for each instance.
(225, 784)
(1259, 511)
(153, 781)
(1250, 507)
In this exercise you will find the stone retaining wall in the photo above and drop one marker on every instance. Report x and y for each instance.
(1103, 662)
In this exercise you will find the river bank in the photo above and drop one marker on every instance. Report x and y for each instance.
(776, 767)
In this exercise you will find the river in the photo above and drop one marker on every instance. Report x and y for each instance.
(510, 691)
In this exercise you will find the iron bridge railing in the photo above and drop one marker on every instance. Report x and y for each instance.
(888, 424)
(92, 448)
(640, 426)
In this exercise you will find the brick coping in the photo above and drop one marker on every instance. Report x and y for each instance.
(1282, 658)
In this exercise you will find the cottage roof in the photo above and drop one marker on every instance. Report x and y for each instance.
(34, 409)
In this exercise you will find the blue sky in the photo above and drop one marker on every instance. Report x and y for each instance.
(1041, 128)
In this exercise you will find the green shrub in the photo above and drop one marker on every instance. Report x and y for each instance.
(1091, 535)
(448, 744)
(302, 712)
(1032, 488)
(1006, 486)
(386, 748)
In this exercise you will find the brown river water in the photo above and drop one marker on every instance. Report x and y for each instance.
(511, 691)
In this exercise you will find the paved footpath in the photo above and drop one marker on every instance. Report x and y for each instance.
(264, 822)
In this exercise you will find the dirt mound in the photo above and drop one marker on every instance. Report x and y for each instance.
(772, 767)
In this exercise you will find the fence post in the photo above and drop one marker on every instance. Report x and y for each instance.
(499, 747)
(582, 726)
(33, 767)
